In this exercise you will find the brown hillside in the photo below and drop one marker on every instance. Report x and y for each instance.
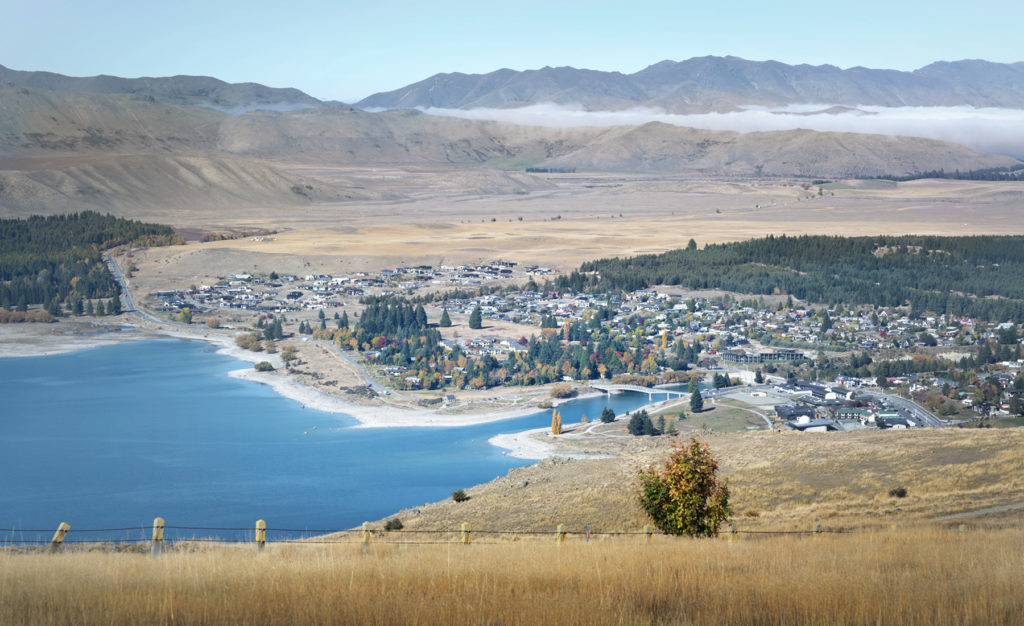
(664, 148)
(130, 185)
(35, 122)
(778, 481)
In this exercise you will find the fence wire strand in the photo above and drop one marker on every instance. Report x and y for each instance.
(344, 536)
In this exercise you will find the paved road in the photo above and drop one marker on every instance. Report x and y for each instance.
(127, 300)
(911, 409)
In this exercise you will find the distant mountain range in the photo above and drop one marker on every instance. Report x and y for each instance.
(697, 85)
(711, 83)
(184, 90)
(124, 144)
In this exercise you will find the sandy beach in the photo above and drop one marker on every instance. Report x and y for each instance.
(27, 340)
(525, 444)
(372, 416)
(538, 443)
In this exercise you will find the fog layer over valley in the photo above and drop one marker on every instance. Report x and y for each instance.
(993, 130)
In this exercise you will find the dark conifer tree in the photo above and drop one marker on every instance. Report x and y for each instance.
(476, 319)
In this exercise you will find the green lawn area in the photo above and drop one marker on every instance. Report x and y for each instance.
(726, 415)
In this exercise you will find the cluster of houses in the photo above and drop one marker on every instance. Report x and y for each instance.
(246, 292)
(733, 324)
(730, 331)
(823, 408)
(290, 293)
(729, 327)
(463, 275)
(809, 419)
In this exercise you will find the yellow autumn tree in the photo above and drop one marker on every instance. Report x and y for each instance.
(556, 423)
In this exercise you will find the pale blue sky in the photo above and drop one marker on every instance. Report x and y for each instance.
(348, 50)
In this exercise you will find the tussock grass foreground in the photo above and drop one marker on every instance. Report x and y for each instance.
(921, 576)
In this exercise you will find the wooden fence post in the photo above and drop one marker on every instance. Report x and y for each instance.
(157, 547)
(467, 533)
(560, 534)
(366, 536)
(261, 535)
(648, 533)
(58, 537)
(732, 533)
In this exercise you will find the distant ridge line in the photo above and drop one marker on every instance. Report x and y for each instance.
(711, 83)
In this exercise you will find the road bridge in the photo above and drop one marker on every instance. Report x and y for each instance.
(650, 391)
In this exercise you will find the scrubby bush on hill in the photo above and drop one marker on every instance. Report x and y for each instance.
(686, 498)
(249, 341)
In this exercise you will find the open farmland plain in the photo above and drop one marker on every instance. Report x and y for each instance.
(565, 220)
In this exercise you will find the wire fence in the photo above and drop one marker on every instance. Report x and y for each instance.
(160, 535)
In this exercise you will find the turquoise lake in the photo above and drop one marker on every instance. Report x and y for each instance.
(112, 437)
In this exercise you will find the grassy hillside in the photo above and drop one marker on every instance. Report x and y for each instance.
(131, 185)
(34, 122)
(664, 148)
(926, 577)
(778, 481)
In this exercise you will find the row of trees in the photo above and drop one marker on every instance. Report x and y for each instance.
(955, 275)
(1015, 173)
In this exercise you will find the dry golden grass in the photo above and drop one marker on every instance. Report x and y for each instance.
(921, 576)
(778, 481)
(601, 215)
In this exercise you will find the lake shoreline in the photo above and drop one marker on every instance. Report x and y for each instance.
(87, 335)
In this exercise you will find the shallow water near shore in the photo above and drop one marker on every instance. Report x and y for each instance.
(112, 437)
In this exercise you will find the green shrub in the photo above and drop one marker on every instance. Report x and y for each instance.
(394, 524)
(460, 495)
(686, 498)
(264, 366)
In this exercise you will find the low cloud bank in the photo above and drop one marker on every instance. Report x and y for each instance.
(998, 131)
